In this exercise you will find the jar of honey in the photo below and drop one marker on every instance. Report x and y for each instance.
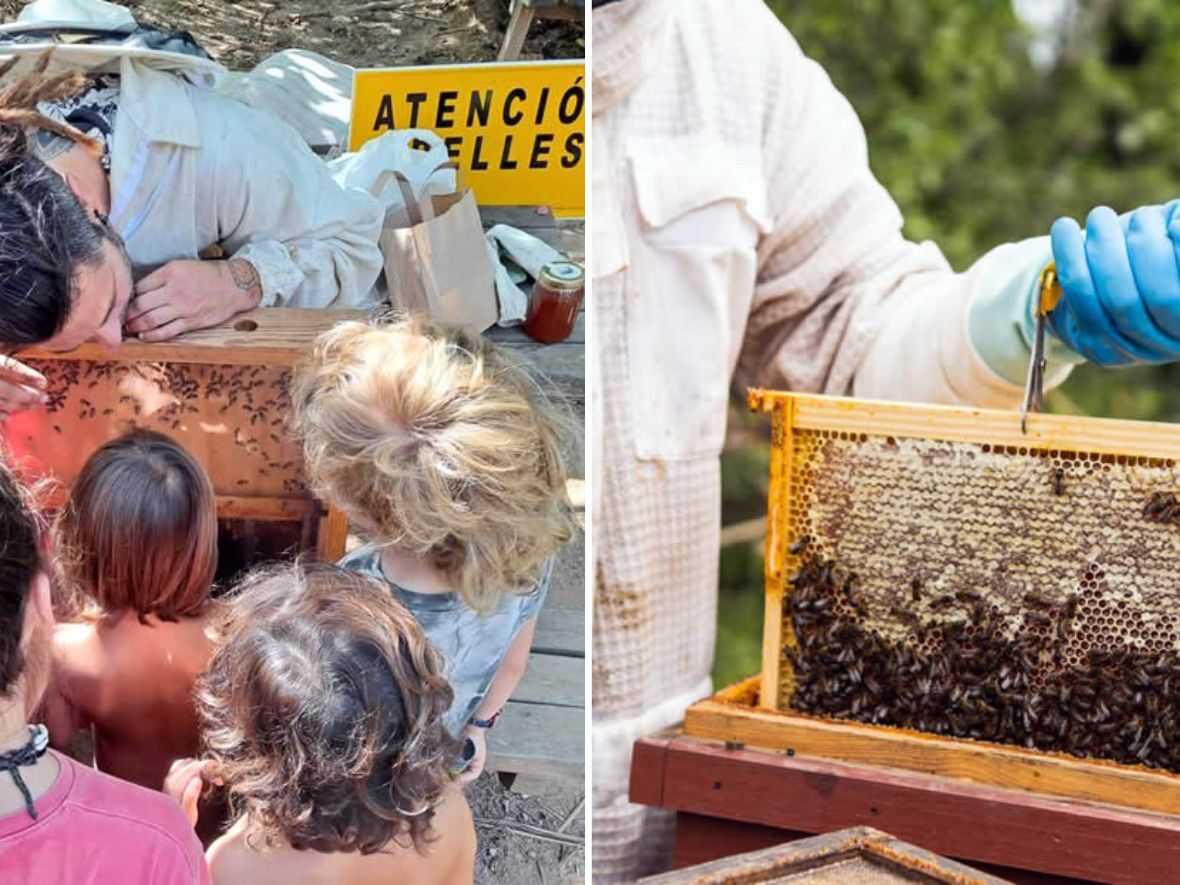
(553, 306)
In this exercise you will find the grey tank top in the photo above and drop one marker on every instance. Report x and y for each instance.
(472, 645)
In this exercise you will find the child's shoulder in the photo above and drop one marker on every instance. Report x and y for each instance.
(79, 667)
(76, 646)
(230, 860)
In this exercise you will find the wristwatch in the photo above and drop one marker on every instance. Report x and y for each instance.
(485, 723)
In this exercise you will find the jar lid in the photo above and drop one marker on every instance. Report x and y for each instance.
(563, 275)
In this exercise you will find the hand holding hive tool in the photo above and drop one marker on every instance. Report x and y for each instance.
(1120, 284)
(1048, 294)
(1111, 293)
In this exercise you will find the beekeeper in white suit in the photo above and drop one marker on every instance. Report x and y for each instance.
(739, 237)
(171, 171)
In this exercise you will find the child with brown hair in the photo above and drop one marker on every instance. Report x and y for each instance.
(446, 454)
(323, 712)
(136, 547)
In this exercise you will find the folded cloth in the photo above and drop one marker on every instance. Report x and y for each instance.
(304, 89)
(517, 257)
(93, 13)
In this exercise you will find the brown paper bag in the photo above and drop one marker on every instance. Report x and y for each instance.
(436, 258)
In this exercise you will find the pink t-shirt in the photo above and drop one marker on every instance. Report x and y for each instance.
(93, 829)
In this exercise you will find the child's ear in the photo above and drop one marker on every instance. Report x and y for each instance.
(41, 599)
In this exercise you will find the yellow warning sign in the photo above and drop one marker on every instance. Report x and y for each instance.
(516, 130)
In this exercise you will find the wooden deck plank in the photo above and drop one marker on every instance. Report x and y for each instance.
(566, 235)
(561, 630)
(547, 741)
(554, 681)
(564, 364)
(567, 587)
(515, 335)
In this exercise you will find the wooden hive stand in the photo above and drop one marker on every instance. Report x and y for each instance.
(731, 798)
(857, 854)
(221, 392)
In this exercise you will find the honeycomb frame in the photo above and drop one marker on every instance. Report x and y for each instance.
(1091, 450)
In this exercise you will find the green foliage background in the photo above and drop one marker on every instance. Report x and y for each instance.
(979, 146)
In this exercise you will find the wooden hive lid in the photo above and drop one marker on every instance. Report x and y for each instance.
(271, 336)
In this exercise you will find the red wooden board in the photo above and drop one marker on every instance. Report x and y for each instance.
(953, 818)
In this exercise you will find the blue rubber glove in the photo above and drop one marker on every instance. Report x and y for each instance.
(1120, 282)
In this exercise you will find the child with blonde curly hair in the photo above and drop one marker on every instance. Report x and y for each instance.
(322, 713)
(445, 453)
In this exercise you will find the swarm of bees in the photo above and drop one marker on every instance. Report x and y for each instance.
(965, 678)
(261, 397)
(1162, 507)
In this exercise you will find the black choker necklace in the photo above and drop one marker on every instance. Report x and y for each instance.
(14, 760)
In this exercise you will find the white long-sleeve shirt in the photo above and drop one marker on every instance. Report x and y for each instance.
(191, 169)
(739, 236)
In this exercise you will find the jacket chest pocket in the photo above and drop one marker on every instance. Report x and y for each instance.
(693, 280)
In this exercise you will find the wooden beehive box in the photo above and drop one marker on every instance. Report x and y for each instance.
(220, 392)
(935, 500)
(859, 855)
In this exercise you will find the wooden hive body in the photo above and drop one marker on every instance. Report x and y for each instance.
(859, 854)
(220, 392)
(1063, 465)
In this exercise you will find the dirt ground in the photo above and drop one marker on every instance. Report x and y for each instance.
(535, 832)
(365, 33)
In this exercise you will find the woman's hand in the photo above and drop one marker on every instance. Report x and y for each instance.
(20, 387)
(185, 295)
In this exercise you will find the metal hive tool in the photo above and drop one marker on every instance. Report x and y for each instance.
(937, 569)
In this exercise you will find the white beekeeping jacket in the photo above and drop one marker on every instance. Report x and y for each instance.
(738, 233)
(190, 169)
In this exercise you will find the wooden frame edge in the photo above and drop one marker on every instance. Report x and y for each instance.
(136, 353)
(332, 535)
(1104, 436)
(264, 508)
(776, 554)
(266, 336)
(731, 792)
(270, 509)
(649, 755)
(724, 717)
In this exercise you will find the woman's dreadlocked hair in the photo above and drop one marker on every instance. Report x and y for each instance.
(46, 234)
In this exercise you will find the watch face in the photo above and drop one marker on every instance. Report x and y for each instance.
(468, 752)
(464, 759)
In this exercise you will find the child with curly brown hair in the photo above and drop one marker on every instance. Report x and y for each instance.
(322, 712)
(445, 453)
(136, 551)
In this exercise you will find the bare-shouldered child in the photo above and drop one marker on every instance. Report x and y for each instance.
(323, 714)
(136, 548)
